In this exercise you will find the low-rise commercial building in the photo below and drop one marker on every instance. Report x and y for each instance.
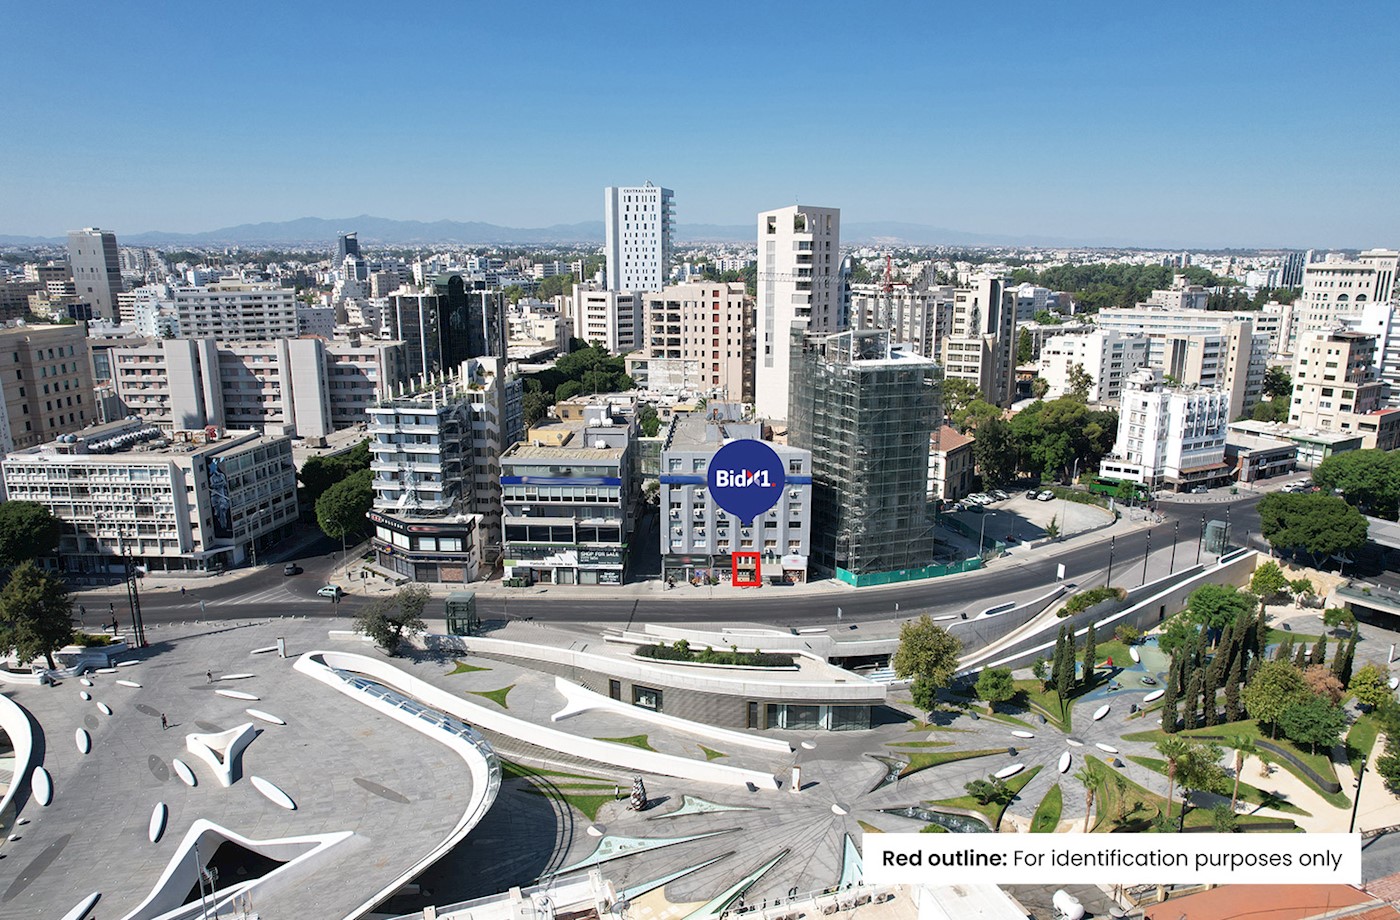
(698, 538)
(1253, 458)
(197, 501)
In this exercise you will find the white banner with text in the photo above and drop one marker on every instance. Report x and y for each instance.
(1120, 859)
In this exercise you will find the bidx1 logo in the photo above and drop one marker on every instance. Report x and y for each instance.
(746, 478)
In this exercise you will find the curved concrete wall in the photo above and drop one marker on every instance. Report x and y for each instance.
(624, 756)
(20, 729)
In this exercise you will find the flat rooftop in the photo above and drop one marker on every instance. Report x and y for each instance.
(126, 442)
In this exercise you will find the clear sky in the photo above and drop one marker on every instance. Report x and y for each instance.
(1250, 124)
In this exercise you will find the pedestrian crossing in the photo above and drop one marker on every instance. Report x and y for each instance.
(279, 596)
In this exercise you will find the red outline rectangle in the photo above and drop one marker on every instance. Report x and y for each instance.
(757, 570)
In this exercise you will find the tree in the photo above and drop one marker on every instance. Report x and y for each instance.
(1368, 479)
(1346, 657)
(1025, 348)
(975, 415)
(957, 393)
(1199, 770)
(1322, 682)
(1180, 632)
(27, 531)
(318, 474)
(1318, 655)
(1194, 688)
(1218, 606)
(1090, 655)
(994, 685)
(1040, 668)
(1088, 779)
(1243, 746)
(1173, 751)
(1080, 383)
(1170, 693)
(1332, 617)
(1268, 581)
(1270, 410)
(994, 453)
(1302, 589)
(1370, 686)
(536, 407)
(1313, 720)
(1278, 383)
(1223, 819)
(1052, 530)
(647, 418)
(990, 790)
(36, 615)
(1039, 387)
(341, 511)
(1317, 524)
(1276, 687)
(389, 619)
(927, 654)
(1064, 676)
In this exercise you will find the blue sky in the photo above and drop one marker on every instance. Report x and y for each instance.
(1209, 124)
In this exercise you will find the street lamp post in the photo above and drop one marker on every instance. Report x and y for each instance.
(1176, 532)
(1108, 582)
(1146, 550)
(1356, 804)
(1200, 539)
(982, 533)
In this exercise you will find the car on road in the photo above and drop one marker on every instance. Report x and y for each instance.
(979, 498)
(334, 591)
(998, 495)
(1199, 490)
(1045, 496)
(291, 568)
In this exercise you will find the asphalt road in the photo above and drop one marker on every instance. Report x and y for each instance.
(269, 593)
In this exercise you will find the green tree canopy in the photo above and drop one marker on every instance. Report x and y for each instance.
(975, 414)
(1312, 719)
(1317, 524)
(927, 654)
(957, 393)
(1219, 606)
(1268, 581)
(341, 510)
(994, 685)
(318, 474)
(27, 531)
(36, 615)
(1277, 686)
(1368, 479)
(994, 453)
(1025, 348)
(1080, 383)
(1370, 686)
(1278, 382)
(389, 619)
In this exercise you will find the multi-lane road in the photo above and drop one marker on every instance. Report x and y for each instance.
(269, 593)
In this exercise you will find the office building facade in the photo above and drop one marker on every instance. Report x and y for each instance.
(637, 228)
(46, 377)
(96, 265)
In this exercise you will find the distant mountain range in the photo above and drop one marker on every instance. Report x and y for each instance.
(382, 231)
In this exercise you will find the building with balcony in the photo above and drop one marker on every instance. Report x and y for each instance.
(1169, 437)
(981, 343)
(569, 497)
(800, 283)
(917, 320)
(1107, 356)
(46, 377)
(1337, 287)
(699, 539)
(1338, 388)
(866, 412)
(198, 501)
(435, 457)
(698, 341)
(234, 311)
(612, 319)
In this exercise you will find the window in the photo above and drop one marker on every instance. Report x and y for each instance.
(646, 697)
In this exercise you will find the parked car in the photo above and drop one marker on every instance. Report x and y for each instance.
(1199, 490)
(975, 508)
(999, 495)
(1045, 496)
(1032, 493)
(291, 568)
(330, 591)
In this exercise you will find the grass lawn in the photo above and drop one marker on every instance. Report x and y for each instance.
(918, 744)
(1361, 739)
(1282, 635)
(1318, 762)
(1111, 649)
(1248, 793)
(587, 803)
(1047, 813)
(1044, 701)
(639, 741)
(1009, 720)
(496, 696)
(1139, 806)
(923, 761)
(711, 754)
(510, 768)
(991, 812)
(464, 668)
(869, 828)
(583, 792)
(919, 725)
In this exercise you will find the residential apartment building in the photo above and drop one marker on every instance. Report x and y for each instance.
(981, 343)
(235, 311)
(1169, 437)
(435, 456)
(866, 412)
(698, 342)
(1337, 388)
(569, 498)
(612, 319)
(1107, 356)
(950, 465)
(46, 376)
(637, 227)
(799, 282)
(698, 539)
(1200, 348)
(1182, 295)
(203, 501)
(96, 265)
(1030, 300)
(1337, 286)
(1382, 320)
(917, 320)
(305, 388)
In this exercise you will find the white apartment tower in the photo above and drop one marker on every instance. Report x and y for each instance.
(637, 224)
(799, 281)
(1107, 356)
(1169, 437)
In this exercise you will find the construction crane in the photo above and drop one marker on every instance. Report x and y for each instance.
(888, 288)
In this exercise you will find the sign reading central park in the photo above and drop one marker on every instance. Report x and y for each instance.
(746, 478)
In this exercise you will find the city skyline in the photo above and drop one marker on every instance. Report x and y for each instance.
(1116, 127)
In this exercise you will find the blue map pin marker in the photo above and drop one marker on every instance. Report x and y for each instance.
(746, 478)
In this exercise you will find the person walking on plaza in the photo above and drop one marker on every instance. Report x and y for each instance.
(163, 724)
(209, 676)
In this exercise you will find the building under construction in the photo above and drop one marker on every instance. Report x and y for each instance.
(865, 410)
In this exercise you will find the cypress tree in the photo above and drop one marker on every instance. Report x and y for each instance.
(1339, 659)
(1193, 697)
(1319, 651)
(1064, 681)
(1232, 692)
(1345, 676)
(1208, 688)
(1300, 657)
(1253, 670)
(1090, 651)
(1169, 702)
(1284, 650)
(1058, 658)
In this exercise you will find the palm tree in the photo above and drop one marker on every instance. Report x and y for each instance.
(1088, 777)
(1172, 749)
(1244, 746)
